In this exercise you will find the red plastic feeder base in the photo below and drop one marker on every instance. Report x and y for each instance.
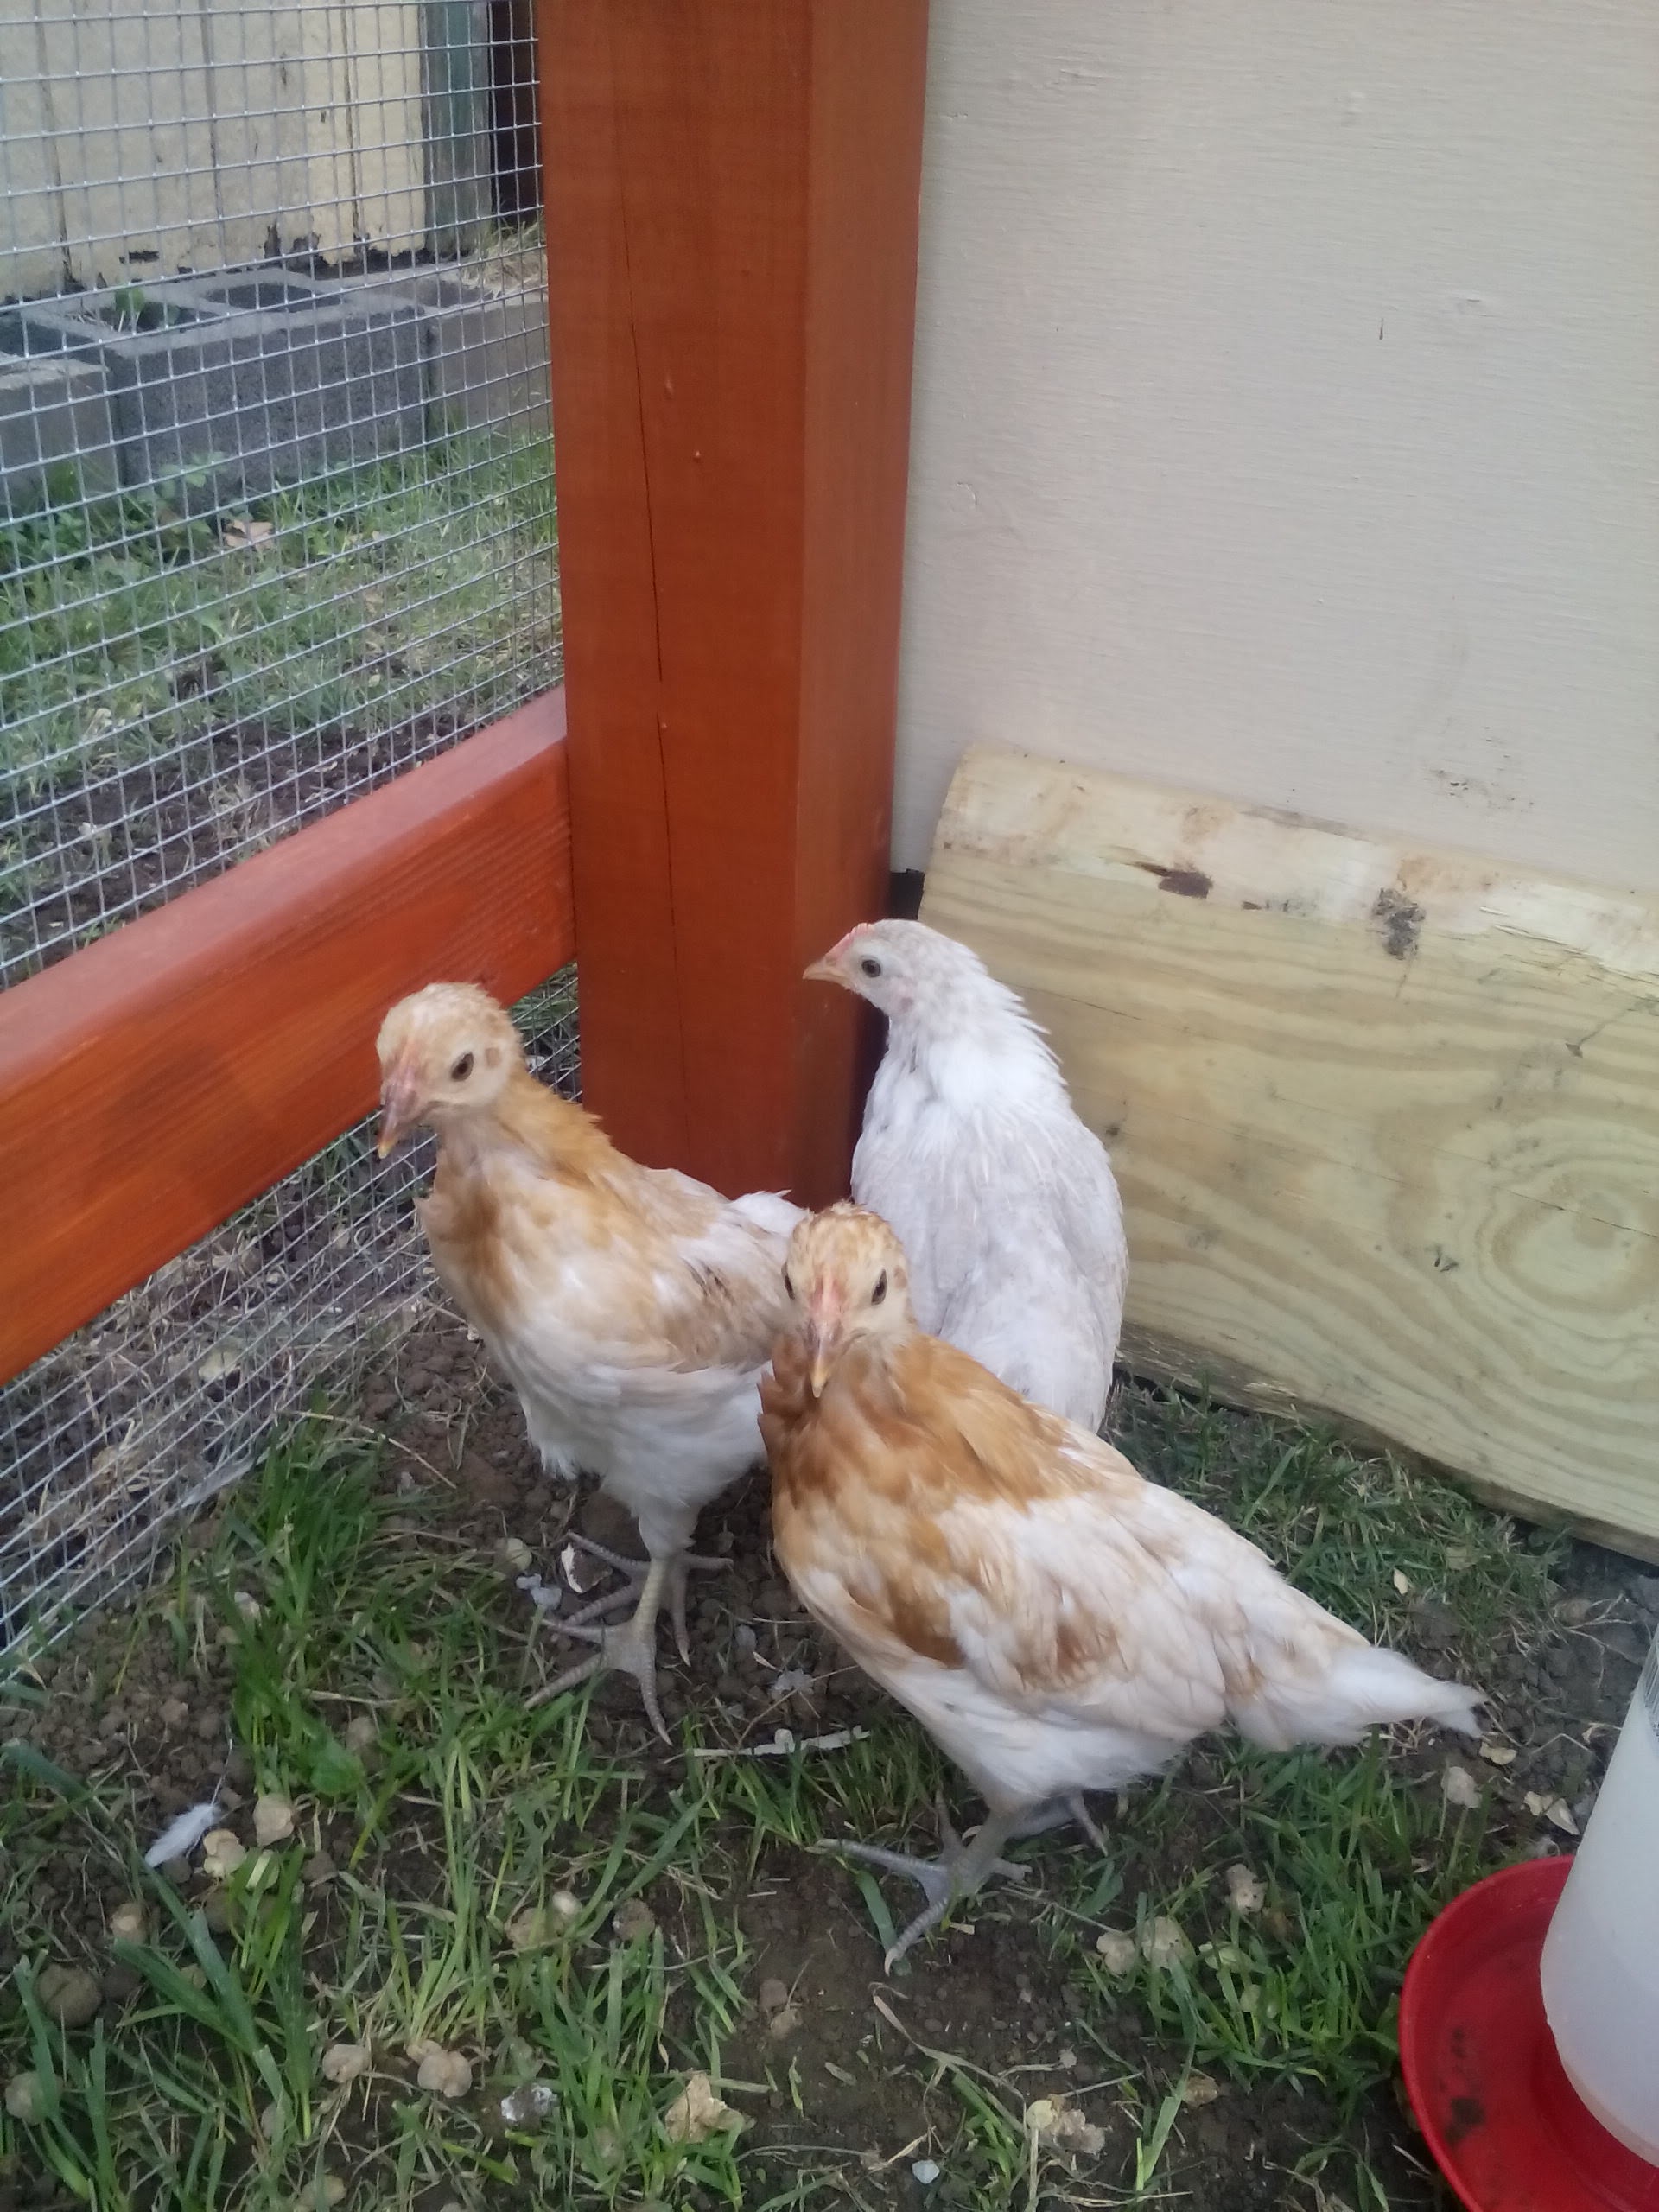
(1508, 2131)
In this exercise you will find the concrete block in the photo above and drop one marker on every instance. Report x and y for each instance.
(337, 378)
(243, 382)
(51, 411)
(486, 357)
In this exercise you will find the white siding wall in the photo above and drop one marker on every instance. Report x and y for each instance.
(1287, 412)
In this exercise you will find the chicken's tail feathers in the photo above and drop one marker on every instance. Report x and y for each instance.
(1360, 1687)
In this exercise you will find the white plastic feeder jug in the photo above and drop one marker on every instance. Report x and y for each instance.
(1601, 1956)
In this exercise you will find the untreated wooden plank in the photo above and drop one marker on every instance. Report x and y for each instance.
(156, 1080)
(1386, 1121)
(731, 202)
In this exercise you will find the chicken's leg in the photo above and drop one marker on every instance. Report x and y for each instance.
(638, 1572)
(631, 1649)
(955, 1873)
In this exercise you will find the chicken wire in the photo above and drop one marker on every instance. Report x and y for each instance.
(174, 1390)
(275, 471)
(276, 524)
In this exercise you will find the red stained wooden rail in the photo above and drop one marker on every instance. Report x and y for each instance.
(156, 1081)
(731, 191)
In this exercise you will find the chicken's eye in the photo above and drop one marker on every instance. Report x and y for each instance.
(870, 966)
(462, 1068)
(881, 1290)
(789, 1287)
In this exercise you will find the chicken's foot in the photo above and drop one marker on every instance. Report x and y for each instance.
(1054, 1813)
(630, 1648)
(637, 1572)
(957, 1873)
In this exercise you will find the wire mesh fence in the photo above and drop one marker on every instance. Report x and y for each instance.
(173, 1392)
(276, 524)
(275, 488)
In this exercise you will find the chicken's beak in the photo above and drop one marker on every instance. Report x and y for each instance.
(400, 1109)
(823, 1344)
(823, 971)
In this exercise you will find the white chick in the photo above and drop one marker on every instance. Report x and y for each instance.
(631, 1308)
(1055, 1622)
(1006, 1204)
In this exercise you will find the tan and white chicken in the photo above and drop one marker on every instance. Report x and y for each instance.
(632, 1308)
(1005, 1202)
(1057, 1624)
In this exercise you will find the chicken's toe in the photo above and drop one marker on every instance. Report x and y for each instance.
(955, 1873)
(1055, 1813)
(628, 1650)
(679, 1576)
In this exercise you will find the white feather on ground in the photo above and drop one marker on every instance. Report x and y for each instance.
(1005, 1202)
(181, 1835)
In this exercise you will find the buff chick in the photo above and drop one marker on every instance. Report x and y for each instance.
(1057, 1624)
(631, 1308)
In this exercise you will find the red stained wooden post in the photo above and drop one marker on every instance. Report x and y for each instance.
(156, 1080)
(731, 202)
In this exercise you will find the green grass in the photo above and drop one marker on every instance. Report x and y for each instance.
(330, 1600)
(130, 624)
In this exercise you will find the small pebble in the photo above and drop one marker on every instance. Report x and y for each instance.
(1164, 1943)
(127, 1922)
(1458, 1787)
(334, 2192)
(633, 1919)
(926, 2170)
(69, 1995)
(445, 2074)
(273, 1820)
(1245, 1892)
(1117, 1950)
(222, 1853)
(26, 2098)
